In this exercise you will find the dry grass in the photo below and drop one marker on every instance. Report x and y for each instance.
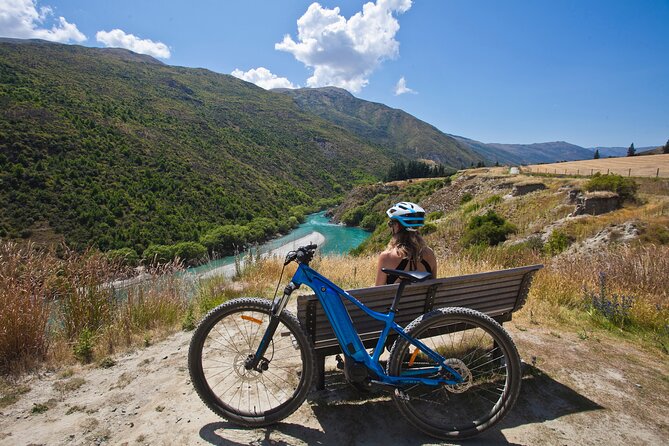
(49, 300)
(635, 166)
(25, 302)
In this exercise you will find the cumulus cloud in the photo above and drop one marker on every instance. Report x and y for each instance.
(21, 19)
(263, 78)
(344, 53)
(120, 39)
(401, 87)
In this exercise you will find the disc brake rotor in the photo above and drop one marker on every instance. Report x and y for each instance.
(464, 372)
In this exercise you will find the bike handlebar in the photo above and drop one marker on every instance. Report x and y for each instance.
(303, 254)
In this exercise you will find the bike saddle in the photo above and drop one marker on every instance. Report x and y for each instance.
(412, 276)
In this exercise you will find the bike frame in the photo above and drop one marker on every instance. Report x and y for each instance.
(330, 295)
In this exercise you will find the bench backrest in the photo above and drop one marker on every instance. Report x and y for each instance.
(495, 293)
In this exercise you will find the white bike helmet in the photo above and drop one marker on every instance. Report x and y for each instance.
(409, 215)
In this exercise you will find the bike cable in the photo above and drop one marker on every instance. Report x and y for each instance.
(278, 284)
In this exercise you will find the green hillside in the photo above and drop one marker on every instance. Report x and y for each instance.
(407, 136)
(114, 149)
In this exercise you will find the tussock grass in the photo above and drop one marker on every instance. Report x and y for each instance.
(25, 301)
(56, 306)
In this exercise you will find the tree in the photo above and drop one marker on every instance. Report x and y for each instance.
(666, 147)
(631, 151)
(596, 154)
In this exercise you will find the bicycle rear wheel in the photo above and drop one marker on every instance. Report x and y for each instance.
(476, 347)
(221, 344)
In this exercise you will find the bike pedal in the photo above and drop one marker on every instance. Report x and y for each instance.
(401, 395)
(340, 362)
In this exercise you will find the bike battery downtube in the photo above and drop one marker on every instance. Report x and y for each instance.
(341, 325)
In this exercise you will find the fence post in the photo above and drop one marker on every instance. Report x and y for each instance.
(658, 173)
(578, 172)
(591, 170)
(607, 171)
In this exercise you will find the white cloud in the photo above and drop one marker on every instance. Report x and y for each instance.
(401, 87)
(264, 78)
(344, 53)
(20, 19)
(120, 39)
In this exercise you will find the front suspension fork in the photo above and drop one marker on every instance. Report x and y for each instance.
(278, 305)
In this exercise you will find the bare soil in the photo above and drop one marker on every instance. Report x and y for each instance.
(584, 389)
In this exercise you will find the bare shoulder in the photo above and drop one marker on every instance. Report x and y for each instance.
(389, 258)
(389, 254)
(428, 253)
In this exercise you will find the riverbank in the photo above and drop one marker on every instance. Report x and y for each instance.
(281, 251)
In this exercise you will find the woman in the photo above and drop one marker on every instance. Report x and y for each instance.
(407, 249)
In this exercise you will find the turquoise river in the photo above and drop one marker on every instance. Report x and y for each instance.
(339, 239)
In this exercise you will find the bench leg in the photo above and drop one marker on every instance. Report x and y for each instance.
(320, 371)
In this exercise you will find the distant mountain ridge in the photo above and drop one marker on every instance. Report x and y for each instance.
(394, 129)
(547, 152)
(412, 138)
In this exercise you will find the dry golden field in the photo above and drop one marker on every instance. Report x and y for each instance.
(635, 166)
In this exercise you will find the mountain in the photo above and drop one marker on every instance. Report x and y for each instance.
(395, 130)
(546, 152)
(115, 149)
(606, 152)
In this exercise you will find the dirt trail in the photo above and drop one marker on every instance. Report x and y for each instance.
(583, 390)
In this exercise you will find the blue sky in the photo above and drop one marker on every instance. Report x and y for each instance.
(593, 73)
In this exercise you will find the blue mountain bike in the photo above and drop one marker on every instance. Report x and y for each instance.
(453, 372)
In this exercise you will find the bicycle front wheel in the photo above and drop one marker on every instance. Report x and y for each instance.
(219, 348)
(480, 351)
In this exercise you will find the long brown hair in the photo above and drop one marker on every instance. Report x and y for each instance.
(408, 244)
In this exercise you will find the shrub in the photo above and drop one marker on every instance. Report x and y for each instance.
(225, 239)
(158, 254)
(493, 199)
(436, 215)
(612, 307)
(83, 349)
(354, 216)
(371, 221)
(428, 228)
(488, 229)
(127, 256)
(557, 242)
(466, 198)
(190, 253)
(626, 188)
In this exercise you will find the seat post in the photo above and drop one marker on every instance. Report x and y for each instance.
(396, 300)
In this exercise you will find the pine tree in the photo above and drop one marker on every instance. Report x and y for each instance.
(631, 151)
(666, 147)
(596, 154)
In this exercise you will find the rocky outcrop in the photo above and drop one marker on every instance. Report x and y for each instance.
(620, 233)
(596, 203)
(525, 188)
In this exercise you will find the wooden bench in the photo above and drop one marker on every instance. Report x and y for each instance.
(496, 293)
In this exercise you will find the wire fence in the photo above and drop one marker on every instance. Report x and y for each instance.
(657, 172)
